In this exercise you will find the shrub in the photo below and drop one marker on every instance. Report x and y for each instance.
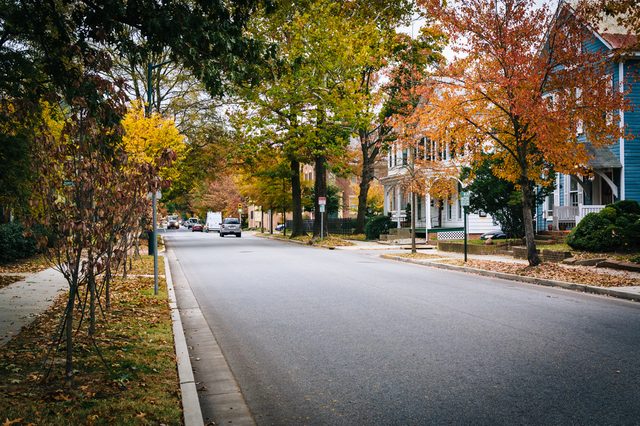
(626, 206)
(15, 244)
(377, 225)
(616, 227)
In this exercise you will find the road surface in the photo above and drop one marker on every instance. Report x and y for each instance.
(315, 336)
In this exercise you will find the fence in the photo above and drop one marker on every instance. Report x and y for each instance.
(334, 225)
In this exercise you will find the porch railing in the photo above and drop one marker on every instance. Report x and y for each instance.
(585, 210)
(564, 214)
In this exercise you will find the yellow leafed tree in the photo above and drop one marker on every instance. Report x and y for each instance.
(146, 138)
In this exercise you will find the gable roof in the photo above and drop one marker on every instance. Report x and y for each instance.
(608, 29)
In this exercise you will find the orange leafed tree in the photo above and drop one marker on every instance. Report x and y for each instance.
(524, 89)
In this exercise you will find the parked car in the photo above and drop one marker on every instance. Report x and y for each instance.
(494, 235)
(281, 227)
(172, 222)
(230, 225)
(197, 226)
(191, 221)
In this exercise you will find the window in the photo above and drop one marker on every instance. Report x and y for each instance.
(550, 205)
(459, 208)
(405, 156)
(573, 192)
(449, 210)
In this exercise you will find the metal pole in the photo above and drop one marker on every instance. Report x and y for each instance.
(153, 195)
(465, 233)
(321, 224)
(155, 244)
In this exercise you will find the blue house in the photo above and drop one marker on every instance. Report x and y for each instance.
(616, 168)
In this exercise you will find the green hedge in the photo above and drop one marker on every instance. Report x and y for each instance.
(377, 225)
(15, 243)
(615, 228)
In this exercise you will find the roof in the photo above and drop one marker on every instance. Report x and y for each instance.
(602, 157)
(609, 29)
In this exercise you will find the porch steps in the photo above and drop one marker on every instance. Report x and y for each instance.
(552, 236)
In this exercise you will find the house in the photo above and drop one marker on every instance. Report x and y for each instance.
(616, 168)
(432, 215)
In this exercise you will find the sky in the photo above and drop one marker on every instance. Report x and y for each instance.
(415, 25)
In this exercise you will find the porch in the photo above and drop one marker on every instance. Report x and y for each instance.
(566, 217)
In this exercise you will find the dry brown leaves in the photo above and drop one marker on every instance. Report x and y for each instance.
(31, 265)
(553, 271)
(420, 256)
(5, 280)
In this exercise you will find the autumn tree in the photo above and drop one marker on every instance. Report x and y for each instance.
(403, 60)
(519, 88)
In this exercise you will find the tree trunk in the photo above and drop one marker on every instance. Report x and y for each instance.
(320, 187)
(532, 254)
(368, 162)
(297, 228)
(413, 223)
(69, 336)
(91, 281)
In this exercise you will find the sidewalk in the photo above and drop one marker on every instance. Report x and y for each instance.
(23, 300)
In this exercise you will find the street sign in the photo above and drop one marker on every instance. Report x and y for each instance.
(67, 183)
(158, 195)
(464, 199)
(322, 201)
(321, 208)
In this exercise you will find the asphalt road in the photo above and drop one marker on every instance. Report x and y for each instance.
(334, 337)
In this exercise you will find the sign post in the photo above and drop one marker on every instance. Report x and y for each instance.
(322, 202)
(464, 202)
(155, 196)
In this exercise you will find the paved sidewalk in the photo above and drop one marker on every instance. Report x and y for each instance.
(24, 300)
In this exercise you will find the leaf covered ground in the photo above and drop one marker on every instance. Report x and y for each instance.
(552, 271)
(5, 280)
(31, 265)
(330, 242)
(140, 386)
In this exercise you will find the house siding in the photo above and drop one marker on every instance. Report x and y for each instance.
(632, 123)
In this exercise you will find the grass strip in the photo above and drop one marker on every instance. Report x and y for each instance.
(136, 340)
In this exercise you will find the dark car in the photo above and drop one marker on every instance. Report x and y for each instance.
(494, 235)
(197, 226)
(281, 227)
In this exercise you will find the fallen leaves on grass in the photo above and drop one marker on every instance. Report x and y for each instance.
(420, 256)
(5, 280)
(31, 265)
(136, 341)
(552, 271)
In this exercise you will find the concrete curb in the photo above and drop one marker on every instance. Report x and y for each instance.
(190, 402)
(530, 280)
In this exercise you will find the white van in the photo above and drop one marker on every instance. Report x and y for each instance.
(214, 219)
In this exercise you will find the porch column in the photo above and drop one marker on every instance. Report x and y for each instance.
(427, 210)
(385, 205)
(398, 202)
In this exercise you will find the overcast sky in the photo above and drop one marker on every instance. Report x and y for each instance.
(417, 23)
